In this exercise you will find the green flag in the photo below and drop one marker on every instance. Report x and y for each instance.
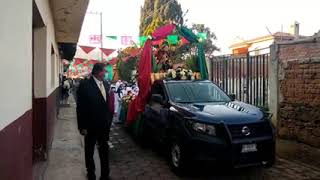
(112, 37)
(142, 40)
(202, 36)
(109, 69)
(172, 39)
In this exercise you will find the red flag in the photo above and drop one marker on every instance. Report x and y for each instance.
(87, 49)
(184, 41)
(92, 61)
(78, 61)
(113, 61)
(144, 82)
(158, 42)
(107, 52)
(163, 31)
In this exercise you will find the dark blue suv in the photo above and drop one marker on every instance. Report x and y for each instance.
(198, 121)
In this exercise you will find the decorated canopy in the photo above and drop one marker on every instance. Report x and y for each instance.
(146, 60)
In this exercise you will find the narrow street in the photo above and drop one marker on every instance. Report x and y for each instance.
(128, 160)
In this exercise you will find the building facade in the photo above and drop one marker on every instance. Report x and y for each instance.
(34, 36)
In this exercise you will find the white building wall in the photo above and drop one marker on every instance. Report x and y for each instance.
(260, 47)
(45, 12)
(16, 60)
(40, 63)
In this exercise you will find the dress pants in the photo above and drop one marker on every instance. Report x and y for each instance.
(101, 139)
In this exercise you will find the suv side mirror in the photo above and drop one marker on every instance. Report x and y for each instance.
(232, 97)
(157, 98)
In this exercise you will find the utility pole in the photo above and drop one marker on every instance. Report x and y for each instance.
(101, 35)
(101, 30)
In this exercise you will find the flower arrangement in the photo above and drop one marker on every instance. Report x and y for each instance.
(128, 98)
(180, 74)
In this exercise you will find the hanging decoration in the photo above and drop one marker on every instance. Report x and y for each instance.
(142, 40)
(147, 61)
(107, 52)
(184, 41)
(144, 81)
(126, 40)
(95, 39)
(158, 42)
(112, 37)
(172, 39)
(78, 61)
(87, 49)
(202, 36)
(92, 62)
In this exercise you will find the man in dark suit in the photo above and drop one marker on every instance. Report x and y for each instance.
(94, 114)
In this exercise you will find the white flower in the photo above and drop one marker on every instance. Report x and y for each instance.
(174, 75)
(182, 73)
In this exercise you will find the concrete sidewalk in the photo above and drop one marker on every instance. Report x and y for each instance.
(66, 158)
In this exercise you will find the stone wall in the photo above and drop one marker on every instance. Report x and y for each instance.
(299, 91)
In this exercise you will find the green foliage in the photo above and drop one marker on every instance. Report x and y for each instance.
(192, 63)
(209, 47)
(156, 13)
(125, 68)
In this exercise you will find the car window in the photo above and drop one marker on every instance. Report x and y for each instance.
(196, 92)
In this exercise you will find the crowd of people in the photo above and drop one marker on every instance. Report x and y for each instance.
(123, 89)
(123, 92)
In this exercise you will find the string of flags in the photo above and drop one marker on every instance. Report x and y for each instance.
(127, 40)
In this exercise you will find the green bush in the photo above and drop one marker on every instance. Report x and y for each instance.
(125, 68)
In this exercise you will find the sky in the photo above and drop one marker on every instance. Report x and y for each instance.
(231, 20)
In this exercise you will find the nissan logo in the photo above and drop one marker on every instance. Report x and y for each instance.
(245, 130)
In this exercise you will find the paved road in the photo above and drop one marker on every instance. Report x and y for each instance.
(129, 160)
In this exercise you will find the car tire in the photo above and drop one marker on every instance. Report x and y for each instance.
(178, 158)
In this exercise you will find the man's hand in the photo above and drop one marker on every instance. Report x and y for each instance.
(83, 132)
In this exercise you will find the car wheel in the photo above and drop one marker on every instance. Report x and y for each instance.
(177, 158)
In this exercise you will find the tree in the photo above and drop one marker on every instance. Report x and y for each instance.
(208, 45)
(156, 13)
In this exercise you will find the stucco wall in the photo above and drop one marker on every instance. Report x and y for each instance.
(43, 70)
(16, 60)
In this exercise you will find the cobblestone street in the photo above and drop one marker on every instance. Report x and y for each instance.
(129, 160)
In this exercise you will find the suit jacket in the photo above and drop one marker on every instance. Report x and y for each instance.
(94, 113)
